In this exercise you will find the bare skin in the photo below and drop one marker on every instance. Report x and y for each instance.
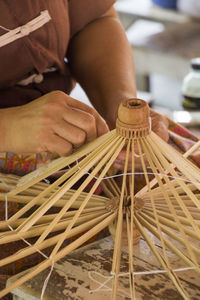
(101, 61)
(54, 122)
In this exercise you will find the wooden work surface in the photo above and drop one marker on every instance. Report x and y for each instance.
(84, 270)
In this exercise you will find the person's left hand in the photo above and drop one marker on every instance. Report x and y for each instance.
(159, 126)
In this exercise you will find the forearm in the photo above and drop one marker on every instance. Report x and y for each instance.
(101, 60)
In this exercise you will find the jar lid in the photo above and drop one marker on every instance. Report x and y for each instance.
(195, 63)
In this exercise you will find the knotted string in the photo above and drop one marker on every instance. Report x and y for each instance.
(29, 244)
(103, 285)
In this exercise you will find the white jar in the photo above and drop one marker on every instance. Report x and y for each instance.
(191, 86)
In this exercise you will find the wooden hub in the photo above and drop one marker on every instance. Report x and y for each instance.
(133, 119)
(138, 205)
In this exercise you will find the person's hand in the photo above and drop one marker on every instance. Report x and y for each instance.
(159, 125)
(55, 123)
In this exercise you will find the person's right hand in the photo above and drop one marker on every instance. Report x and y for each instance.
(55, 123)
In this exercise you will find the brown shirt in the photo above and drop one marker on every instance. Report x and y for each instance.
(42, 48)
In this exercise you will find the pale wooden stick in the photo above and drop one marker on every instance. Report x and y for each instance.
(131, 269)
(117, 271)
(60, 203)
(184, 165)
(174, 173)
(192, 149)
(37, 230)
(44, 219)
(42, 266)
(64, 188)
(61, 162)
(187, 243)
(188, 202)
(154, 181)
(176, 206)
(83, 185)
(169, 244)
(120, 215)
(113, 154)
(106, 190)
(182, 184)
(171, 225)
(157, 191)
(130, 224)
(194, 216)
(181, 219)
(113, 186)
(170, 273)
(53, 185)
(145, 150)
(51, 241)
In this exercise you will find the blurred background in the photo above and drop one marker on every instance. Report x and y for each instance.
(165, 37)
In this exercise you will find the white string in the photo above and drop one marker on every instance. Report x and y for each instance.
(29, 244)
(103, 285)
(46, 281)
(4, 28)
(136, 173)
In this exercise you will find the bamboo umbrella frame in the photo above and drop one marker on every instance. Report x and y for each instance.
(167, 207)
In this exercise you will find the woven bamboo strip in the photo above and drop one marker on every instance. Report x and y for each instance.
(119, 144)
(181, 183)
(113, 187)
(65, 187)
(51, 241)
(106, 190)
(189, 203)
(154, 181)
(111, 156)
(167, 229)
(158, 193)
(152, 198)
(120, 212)
(161, 260)
(166, 197)
(61, 162)
(177, 207)
(119, 226)
(181, 219)
(42, 266)
(37, 230)
(169, 244)
(131, 269)
(25, 199)
(45, 218)
(181, 214)
(185, 166)
(50, 188)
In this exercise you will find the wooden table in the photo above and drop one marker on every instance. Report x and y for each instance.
(77, 276)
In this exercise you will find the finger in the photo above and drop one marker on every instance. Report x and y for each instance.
(101, 126)
(82, 120)
(71, 133)
(56, 144)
